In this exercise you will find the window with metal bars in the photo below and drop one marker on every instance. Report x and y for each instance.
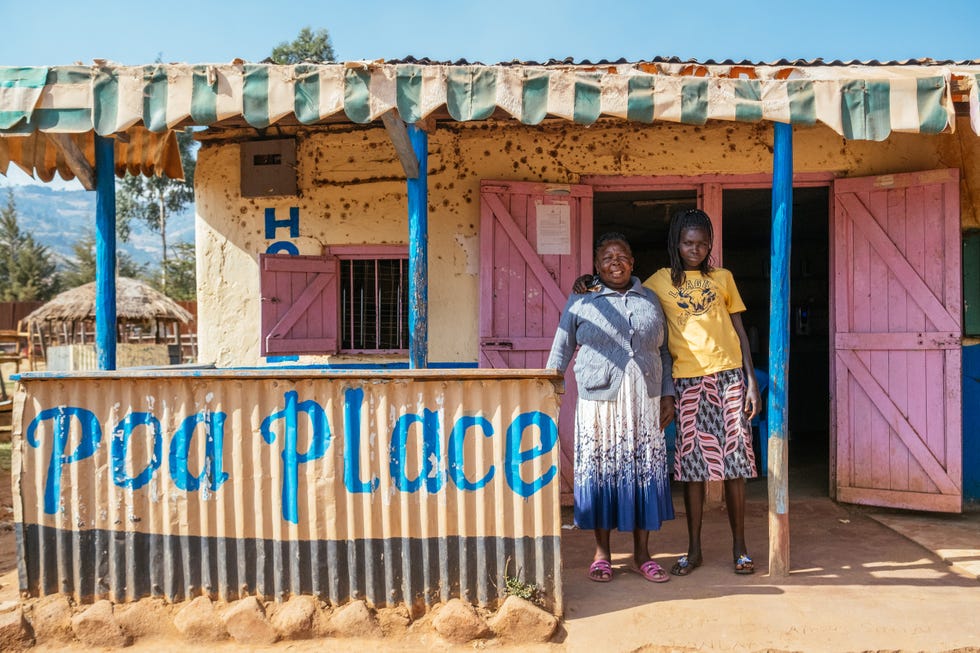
(373, 289)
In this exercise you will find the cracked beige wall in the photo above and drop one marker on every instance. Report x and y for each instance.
(352, 190)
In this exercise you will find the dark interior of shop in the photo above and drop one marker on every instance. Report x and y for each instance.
(643, 217)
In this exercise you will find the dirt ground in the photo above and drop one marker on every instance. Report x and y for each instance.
(855, 585)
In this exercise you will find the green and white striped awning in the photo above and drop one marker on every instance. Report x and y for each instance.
(865, 102)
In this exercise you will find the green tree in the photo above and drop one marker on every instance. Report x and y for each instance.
(80, 269)
(28, 271)
(181, 272)
(152, 200)
(309, 46)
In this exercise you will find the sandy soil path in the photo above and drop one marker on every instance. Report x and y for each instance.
(856, 585)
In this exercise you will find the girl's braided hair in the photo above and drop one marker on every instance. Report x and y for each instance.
(679, 222)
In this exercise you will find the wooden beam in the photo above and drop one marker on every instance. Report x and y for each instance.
(75, 158)
(778, 413)
(398, 133)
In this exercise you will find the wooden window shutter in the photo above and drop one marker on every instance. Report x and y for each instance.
(299, 304)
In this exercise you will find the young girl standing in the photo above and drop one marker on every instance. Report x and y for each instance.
(714, 379)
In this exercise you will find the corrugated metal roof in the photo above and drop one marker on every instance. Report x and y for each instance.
(137, 151)
(861, 101)
(569, 61)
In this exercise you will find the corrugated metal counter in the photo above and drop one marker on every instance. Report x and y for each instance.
(404, 486)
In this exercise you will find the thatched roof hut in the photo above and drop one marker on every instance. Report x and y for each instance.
(136, 303)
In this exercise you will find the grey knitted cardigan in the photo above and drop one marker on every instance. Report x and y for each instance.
(609, 329)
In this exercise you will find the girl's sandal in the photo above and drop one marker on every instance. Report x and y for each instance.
(684, 566)
(744, 565)
(600, 571)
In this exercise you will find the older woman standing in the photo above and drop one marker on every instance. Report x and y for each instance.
(626, 397)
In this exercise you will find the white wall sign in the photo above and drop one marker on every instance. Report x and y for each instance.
(554, 228)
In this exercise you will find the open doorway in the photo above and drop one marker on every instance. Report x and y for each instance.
(643, 217)
(746, 238)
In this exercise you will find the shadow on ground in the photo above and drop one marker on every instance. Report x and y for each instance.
(831, 545)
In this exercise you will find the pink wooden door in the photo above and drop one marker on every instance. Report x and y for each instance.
(299, 304)
(897, 357)
(535, 240)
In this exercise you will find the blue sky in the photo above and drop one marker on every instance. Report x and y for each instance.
(57, 32)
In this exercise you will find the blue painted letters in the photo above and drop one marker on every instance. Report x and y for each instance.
(214, 438)
(120, 442)
(456, 452)
(515, 457)
(88, 442)
(70, 424)
(282, 246)
(430, 453)
(291, 458)
(271, 224)
(353, 398)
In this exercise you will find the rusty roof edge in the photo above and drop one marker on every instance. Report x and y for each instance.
(819, 61)
(558, 63)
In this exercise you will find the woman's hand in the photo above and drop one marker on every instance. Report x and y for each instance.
(583, 283)
(666, 411)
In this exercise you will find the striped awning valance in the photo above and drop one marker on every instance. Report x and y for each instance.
(864, 102)
(859, 102)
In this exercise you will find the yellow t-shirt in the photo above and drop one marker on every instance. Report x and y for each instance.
(701, 337)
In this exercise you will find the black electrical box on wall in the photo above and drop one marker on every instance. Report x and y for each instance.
(269, 168)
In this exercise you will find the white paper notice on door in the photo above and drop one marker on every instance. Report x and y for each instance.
(554, 228)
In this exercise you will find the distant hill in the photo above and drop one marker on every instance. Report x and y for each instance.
(58, 218)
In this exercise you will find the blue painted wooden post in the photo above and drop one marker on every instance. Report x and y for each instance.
(418, 254)
(782, 228)
(105, 253)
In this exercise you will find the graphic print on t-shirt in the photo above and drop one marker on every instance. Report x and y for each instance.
(694, 297)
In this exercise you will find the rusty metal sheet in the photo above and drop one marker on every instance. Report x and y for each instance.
(399, 487)
(137, 151)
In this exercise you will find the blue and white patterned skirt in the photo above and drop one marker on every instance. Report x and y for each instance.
(621, 478)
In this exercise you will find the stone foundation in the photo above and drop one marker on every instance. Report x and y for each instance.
(251, 621)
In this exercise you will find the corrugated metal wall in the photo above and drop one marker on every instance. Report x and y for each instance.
(397, 487)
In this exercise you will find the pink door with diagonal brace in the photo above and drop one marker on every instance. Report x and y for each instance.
(535, 240)
(897, 356)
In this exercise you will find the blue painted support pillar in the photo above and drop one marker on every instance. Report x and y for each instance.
(782, 229)
(105, 253)
(418, 254)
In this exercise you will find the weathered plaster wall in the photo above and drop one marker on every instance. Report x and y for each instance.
(962, 151)
(337, 205)
(352, 191)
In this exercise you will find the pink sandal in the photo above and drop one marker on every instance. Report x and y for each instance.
(652, 572)
(600, 571)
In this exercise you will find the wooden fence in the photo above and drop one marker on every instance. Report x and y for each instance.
(12, 313)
